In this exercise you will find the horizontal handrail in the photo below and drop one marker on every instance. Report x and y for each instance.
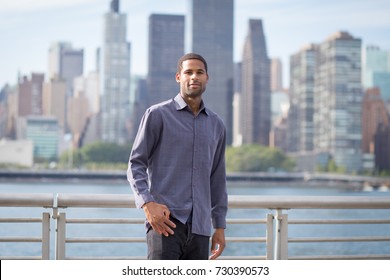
(309, 202)
(20, 220)
(340, 239)
(235, 201)
(20, 239)
(338, 222)
(96, 200)
(105, 221)
(26, 200)
(342, 257)
(105, 239)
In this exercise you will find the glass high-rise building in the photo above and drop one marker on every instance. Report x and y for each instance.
(376, 70)
(115, 77)
(44, 132)
(166, 46)
(300, 121)
(338, 100)
(255, 101)
(210, 33)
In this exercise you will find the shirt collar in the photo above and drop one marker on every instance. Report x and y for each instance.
(181, 104)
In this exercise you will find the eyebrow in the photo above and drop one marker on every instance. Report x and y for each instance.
(194, 70)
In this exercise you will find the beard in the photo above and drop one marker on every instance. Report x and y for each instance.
(193, 92)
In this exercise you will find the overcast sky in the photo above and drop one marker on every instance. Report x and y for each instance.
(27, 28)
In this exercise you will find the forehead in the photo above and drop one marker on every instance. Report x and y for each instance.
(193, 64)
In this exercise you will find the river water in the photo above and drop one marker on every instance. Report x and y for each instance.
(233, 249)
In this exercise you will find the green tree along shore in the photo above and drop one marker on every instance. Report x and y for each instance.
(113, 156)
(247, 158)
(97, 156)
(252, 158)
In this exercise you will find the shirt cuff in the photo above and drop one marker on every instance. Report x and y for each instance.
(219, 222)
(142, 199)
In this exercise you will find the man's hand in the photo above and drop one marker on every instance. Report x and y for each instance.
(217, 243)
(158, 217)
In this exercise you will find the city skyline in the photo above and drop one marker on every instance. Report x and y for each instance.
(28, 29)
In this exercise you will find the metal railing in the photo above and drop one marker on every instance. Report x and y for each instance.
(276, 222)
(28, 200)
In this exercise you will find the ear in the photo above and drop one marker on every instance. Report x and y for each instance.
(177, 76)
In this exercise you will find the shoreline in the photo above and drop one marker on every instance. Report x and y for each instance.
(258, 179)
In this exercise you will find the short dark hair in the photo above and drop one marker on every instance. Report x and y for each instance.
(189, 56)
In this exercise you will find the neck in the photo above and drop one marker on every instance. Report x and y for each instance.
(193, 103)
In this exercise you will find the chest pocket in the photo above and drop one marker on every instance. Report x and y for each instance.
(205, 142)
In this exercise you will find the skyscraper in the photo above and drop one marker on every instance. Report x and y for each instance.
(54, 99)
(376, 70)
(374, 114)
(44, 132)
(276, 75)
(237, 139)
(255, 98)
(166, 46)
(115, 77)
(30, 95)
(300, 121)
(210, 33)
(138, 103)
(65, 63)
(5, 92)
(382, 148)
(338, 100)
(79, 113)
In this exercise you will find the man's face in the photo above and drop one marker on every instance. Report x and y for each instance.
(192, 78)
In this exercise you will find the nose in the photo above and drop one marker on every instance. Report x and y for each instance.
(194, 76)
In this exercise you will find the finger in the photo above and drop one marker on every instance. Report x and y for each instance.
(160, 229)
(168, 231)
(158, 225)
(170, 224)
(214, 255)
(216, 251)
(165, 227)
(166, 219)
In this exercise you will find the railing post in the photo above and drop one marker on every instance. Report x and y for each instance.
(45, 236)
(270, 237)
(281, 240)
(284, 237)
(60, 236)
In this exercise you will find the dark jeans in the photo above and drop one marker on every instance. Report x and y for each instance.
(183, 245)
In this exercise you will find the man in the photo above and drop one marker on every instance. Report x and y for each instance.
(177, 170)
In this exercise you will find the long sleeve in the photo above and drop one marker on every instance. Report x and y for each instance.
(219, 199)
(144, 144)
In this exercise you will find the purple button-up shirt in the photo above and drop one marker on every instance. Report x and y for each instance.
(178, 159)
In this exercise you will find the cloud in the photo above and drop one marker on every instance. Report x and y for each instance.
(357, 13)
(31, 6)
